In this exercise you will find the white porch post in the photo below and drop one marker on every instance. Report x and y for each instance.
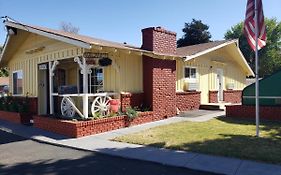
(85, 70)
(52, 67)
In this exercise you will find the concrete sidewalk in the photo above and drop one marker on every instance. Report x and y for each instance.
(101, 143)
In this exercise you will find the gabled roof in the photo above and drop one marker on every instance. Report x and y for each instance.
(200, 49)
(76, 40)
(187, 53)
(71, 38)
(194, 51)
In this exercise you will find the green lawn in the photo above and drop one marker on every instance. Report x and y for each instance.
(222, 136)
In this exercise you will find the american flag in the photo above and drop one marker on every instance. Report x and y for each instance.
(249, 24)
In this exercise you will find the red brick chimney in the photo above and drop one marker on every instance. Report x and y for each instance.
(159, 40)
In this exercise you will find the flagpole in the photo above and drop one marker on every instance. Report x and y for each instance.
(257, 69)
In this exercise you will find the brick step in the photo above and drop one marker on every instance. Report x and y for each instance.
(213, 106)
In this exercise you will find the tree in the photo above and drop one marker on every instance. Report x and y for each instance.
(3, 71)
(195, 32)
(68, 27)
(270, 55)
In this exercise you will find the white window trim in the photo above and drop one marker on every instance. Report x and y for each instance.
(89, 76)
(16, 71)
(190, 79)
(98, 67)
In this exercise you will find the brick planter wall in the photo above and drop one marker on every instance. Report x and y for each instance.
(32, 103)
(15, 117)
(242, 111)
(232, 96)
(188, 100)
(131, 99)
(143, 117)
(85, 128)
(213, 96)
(79, 128)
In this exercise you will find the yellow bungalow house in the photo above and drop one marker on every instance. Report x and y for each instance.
(73, 74)
(217, 69)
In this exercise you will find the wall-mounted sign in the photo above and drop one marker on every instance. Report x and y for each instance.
(42, 66)
(95, 55)
(35, 50)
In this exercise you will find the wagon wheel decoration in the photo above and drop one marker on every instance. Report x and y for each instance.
(67, 109)
(101, 105)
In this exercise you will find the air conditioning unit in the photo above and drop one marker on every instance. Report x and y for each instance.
(230, 86)
(188, 86)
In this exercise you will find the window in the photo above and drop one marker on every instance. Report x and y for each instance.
(190, 72)
(59, 79)
(95, 83)
(96, 80)
(17, 82)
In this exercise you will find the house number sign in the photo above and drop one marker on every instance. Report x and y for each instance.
(42, 67)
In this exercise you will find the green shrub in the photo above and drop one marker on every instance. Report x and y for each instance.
(13, 107)
(131, 113)
(97, 115)
(112, 114)
(2, 103)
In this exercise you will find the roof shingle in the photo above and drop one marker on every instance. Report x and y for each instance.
(194, 49)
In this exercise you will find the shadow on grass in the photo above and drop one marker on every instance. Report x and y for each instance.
(266, 125)
(95, 164)
(236, 146)
(245, 121)
(266, 149)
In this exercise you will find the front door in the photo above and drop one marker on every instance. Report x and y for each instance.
(43, 87)
(220, 84)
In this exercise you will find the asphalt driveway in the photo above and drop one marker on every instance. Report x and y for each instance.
(23, 156)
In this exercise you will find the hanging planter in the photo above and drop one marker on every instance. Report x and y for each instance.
(105, 61)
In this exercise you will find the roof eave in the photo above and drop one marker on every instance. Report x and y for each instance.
(236, 41)
(4, 50)
(250, 71)
(190, 57)
(50, 35)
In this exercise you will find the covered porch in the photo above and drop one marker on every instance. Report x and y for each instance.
(75, 87)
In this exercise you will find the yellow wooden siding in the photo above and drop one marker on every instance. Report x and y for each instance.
(237, 78)
(72, 76)
(54, 50)
(207, 66)
(128, 78)
(126, 75)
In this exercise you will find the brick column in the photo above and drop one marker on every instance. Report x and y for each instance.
(232, 96)
(213, 96)
(131, 100)
(159, 84)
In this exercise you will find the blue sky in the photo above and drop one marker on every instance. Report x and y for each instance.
(123, 20)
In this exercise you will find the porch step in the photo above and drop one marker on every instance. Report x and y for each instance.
(213, 106)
